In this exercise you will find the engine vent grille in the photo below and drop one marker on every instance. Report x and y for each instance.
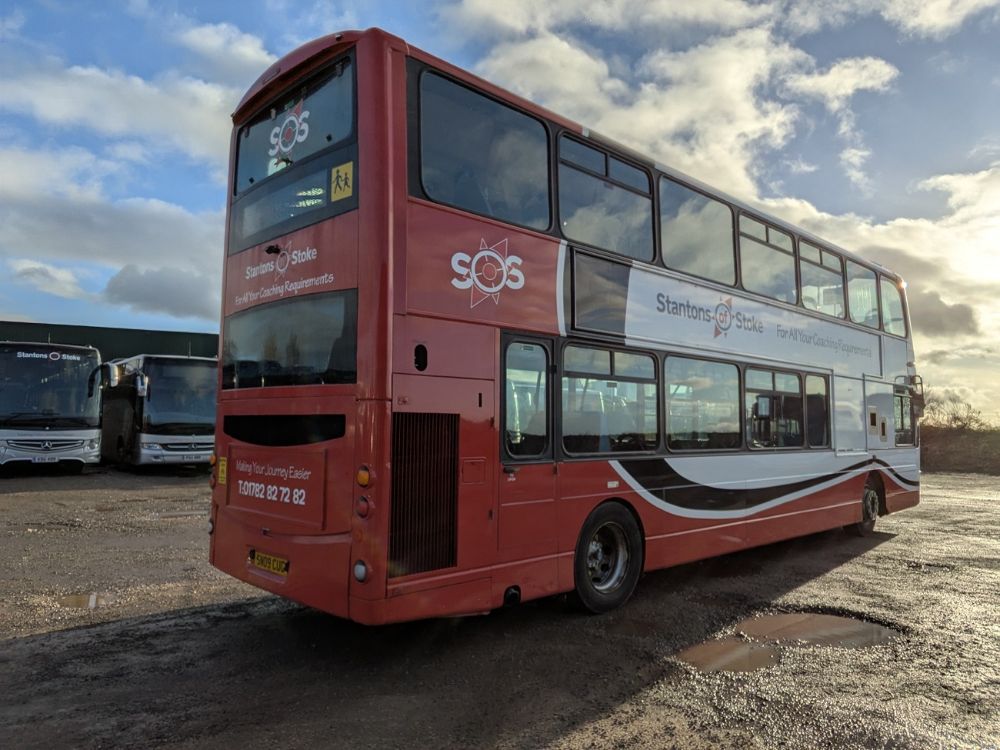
(423, 517)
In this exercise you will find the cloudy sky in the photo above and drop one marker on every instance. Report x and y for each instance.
(873, 123)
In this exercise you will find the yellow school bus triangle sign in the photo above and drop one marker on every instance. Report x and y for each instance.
(342, 182)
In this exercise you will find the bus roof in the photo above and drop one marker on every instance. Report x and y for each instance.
(296, 63)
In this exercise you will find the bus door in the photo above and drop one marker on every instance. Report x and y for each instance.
(527, 512)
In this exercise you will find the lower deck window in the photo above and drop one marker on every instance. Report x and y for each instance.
(703, 404)
(305, 340)
(610, 403)
(773, 409)
(903, 412)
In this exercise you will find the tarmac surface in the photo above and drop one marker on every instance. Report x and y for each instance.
(115, 632)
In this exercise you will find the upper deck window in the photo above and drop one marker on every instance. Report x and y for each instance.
(767, 262)
(482, 156)
(862, 293)
(892, 308)
(822, 275)
(603, 201)
(307, 119)
(696, 233)
(296, 162)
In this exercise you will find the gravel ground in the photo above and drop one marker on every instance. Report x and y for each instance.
(174, 654)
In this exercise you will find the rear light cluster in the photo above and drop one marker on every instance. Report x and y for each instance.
(363, 508)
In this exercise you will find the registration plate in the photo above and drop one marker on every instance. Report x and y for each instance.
(45, 459)
(270, 563)
(191, 458)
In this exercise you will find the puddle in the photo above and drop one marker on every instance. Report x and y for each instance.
(815, 630)
(730, 655)
(85, 601)
(925, 567)
(768, 634)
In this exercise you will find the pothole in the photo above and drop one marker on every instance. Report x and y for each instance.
(730, 655)
(815, 629)
(85, 601)
(764, 638)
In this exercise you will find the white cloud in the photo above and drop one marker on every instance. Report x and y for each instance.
(527, 16)
(54, 211)
(844, 79)
(834, 88)
(934, 18)
(179, 292)
(800, 166)
(62, 282)
(921, 18)
(699, 110)
(189, 115)
(303, 21)
(231, 54)
(853, 160)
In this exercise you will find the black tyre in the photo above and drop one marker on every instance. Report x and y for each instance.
(869, 510)
(608, 559)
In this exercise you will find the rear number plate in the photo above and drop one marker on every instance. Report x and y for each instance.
(270, 563)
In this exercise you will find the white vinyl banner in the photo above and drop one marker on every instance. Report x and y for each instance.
(667, 310)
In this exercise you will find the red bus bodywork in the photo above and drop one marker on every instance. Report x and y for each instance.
(514, 528)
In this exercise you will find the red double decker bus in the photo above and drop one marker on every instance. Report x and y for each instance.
(473, 353)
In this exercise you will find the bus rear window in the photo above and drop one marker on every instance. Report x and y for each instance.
(308, 119)
(302, 341)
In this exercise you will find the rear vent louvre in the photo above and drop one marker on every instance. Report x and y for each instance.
(422, 527)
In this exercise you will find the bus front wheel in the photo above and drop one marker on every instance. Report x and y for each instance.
(608, 558)
(869, 510)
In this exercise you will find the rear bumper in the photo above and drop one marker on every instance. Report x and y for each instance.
(318, 565)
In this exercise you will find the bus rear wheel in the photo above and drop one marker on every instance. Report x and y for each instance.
(869, 510)
(608, 559)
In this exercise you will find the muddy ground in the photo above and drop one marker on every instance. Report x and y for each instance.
(174, 654)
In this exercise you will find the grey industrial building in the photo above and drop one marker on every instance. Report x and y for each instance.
(114, 342)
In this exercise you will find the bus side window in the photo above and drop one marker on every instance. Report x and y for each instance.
(862, 295)
(817, 412)
(482, 156)
(696, 233)
(702, 404)
(767, 261)
(892, 308)
(773, 409)
(604, 202)
(526, 428)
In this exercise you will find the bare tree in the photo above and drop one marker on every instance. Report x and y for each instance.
(949, 410)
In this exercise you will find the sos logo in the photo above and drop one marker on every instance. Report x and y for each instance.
(293, 129)
(487, 273)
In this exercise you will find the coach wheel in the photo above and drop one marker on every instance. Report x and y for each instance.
(608, 558)
(869, 510)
